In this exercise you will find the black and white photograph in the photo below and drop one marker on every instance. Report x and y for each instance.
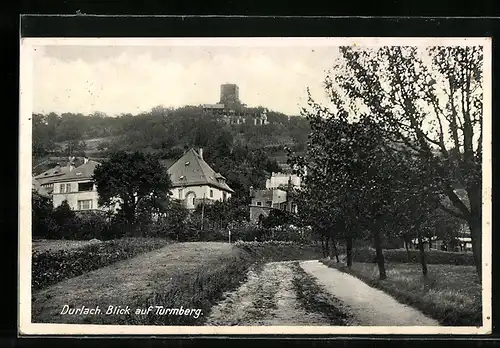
(255, 186)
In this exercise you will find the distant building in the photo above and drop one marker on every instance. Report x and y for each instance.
(276, 195)
(282, 179)
(194, 181)
(232, 111)
(230, 95)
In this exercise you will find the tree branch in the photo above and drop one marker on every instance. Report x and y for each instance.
(451, 211)
(457, 202)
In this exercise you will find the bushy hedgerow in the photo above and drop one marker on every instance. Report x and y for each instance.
(52, 266)
(401, 256)
(246, 231)
(281, 250)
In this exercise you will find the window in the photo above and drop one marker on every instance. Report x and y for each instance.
(193, 201)
(224, 196)
(180, 193)
(85, 186)
(211, 193)
(269, 203)
(259, 203)
(65, 188)
(85, 204)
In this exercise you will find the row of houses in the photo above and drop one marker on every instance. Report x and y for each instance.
(193, 181)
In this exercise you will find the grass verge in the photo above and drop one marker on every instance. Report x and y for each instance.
(451, 294)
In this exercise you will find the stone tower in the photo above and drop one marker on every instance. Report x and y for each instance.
(230, 95)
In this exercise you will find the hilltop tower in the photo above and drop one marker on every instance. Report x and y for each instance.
(230, 95)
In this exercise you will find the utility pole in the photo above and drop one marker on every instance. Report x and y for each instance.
(202, 211)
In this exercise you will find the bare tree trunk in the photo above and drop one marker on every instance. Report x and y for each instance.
(334, 245)
(349, 249)
(323, 245)
(408, 253)
(327, 246)
(379, 254)
(475, 225)
(476, 239)
(423, 261)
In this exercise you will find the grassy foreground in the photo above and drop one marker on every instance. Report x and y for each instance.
(191, 276)
(451, 294)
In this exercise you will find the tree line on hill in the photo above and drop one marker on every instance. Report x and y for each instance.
(159, 130)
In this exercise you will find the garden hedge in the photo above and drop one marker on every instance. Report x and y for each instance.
(52, 266)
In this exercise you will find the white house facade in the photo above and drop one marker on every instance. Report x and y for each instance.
(194, 181)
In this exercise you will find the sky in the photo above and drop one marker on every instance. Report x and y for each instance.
(133, 79)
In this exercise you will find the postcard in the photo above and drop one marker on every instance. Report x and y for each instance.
(208, 186)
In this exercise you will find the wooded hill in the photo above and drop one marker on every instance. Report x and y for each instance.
(247, 153)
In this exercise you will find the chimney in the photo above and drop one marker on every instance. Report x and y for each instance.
(71, 163)
(200, 152)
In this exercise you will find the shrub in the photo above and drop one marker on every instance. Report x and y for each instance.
(43, 223)
(401, 256)
(50, 267)
(90, 225)
(291, 233)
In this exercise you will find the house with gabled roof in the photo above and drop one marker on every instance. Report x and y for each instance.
(77, 187)
(47, 178)
(194, 181)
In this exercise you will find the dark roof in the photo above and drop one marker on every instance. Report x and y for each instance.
(83, 172)
(192, 170)
(51, 175)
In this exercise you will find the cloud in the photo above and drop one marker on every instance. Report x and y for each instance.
(133, 80)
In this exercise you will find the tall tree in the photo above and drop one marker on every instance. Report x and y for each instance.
(431, 101)
(129, 179)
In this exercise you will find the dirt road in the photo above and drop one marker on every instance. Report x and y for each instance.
(370, 306)
(309, 294)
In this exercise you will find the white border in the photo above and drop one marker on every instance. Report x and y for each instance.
(25, 132)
